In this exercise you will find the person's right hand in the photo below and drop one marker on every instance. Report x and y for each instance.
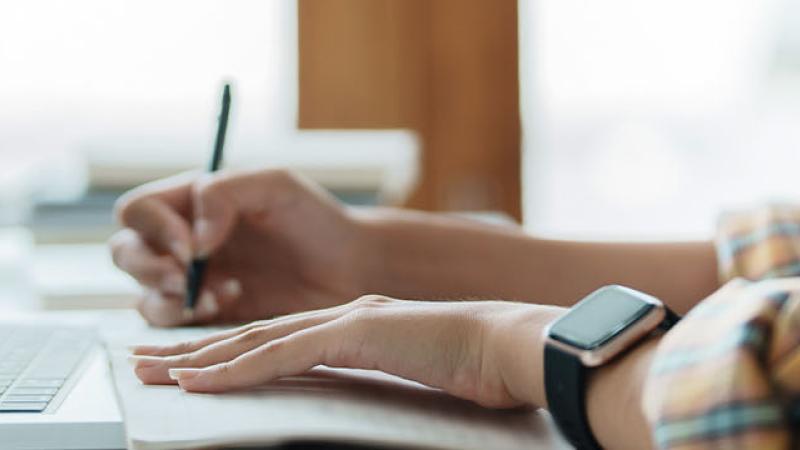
(276, 244)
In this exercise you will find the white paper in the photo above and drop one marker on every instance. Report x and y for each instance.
(333, 405)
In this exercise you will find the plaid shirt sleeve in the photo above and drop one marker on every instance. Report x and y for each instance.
(728, 375)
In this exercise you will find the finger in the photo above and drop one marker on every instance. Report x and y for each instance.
(164, 310)
(194, 345)
(131, 254)
(218, 200)
(162, 272)
(154, 211)
(159, 225)
(226, 289)
(290, 355)
(154, 369)
(188, 346)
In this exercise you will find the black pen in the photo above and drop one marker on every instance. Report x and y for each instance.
(194, 277)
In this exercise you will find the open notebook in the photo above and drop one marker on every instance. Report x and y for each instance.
(327, 405)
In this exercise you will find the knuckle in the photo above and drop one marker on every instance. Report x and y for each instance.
(127, 204)
(205, 184)
(121, 206)
(359, 319)
(224, 370)
(183, 348)
(367, 308)
(153, 311)
(248, 327)
(181, 360)
(282, 176)
(122, 244)
(273, 347)
(372, 301)
(224, 180)
(117, 247)
(285, 180)
(120, 238)
(190, 357)
(252, 335)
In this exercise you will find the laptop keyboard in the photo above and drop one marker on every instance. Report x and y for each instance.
(35, 363)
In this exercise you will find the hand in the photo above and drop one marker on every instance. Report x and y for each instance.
(487, 352)
(276, 244)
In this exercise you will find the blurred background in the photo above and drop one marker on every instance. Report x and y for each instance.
(616, 119)
(645, 119)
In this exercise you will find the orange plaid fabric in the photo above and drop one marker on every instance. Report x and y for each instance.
(728, 375)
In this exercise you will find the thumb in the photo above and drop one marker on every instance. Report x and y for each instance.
(214, 216)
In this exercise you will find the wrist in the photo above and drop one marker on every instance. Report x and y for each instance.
(394, 255)
(520, 350)
(370, 251)
(619, 387)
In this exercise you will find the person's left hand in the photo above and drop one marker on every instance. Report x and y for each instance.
(487, 352)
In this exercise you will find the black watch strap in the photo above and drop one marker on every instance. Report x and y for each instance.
(565, 385)
(669, 321)
(565, 382)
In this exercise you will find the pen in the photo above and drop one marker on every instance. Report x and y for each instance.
(194, 276)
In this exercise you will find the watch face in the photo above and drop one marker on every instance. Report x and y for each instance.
(600, 317)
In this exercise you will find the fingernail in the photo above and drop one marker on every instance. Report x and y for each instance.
(208, 304)
(202, 227)
(183, 374)
(174, 283)
(182, 251)
(232, 288)
(142, 361)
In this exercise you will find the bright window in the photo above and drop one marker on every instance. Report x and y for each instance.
(644, 119)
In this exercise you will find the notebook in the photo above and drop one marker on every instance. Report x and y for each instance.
(325, 405)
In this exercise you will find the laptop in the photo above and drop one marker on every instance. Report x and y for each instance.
(55, 389)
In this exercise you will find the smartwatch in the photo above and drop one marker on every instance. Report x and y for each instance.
(603, 325)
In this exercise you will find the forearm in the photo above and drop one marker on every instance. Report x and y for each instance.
(419, 255)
